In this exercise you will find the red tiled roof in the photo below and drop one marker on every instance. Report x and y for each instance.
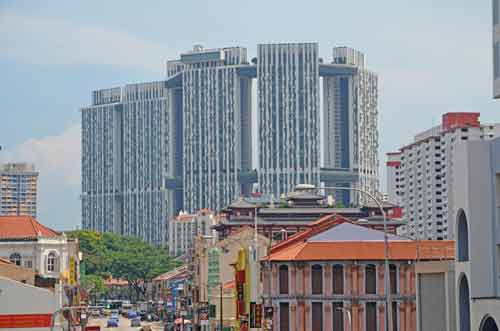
(115, 282)
(313, 228)
(172, 274)
(23, 227)
(4, 261)
(334, 237)
(366, 250)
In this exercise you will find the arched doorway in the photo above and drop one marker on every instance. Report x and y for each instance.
(464, 304)
(488, 324)
(462, 237)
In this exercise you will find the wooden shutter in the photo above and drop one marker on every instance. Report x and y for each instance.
(371, 316)
(338, 279)
(284, 316)
(338, 316)
(393, 274)
(317, 279)
(370, 279)
(283, 279)
(317, 316)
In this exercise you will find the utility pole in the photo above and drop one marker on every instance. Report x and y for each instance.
(221, 319)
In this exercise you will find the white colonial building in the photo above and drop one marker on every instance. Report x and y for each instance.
(26, 242)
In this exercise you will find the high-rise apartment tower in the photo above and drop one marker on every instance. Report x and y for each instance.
(18, 189)
(125, 141)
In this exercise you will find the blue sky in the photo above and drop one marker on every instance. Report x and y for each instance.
(432, 57)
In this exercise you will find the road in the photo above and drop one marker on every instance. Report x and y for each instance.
(124, 325)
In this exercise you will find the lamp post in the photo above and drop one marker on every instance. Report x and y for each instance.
(349, 317)
(388, 305)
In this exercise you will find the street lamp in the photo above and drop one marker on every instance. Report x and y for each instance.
(348, 313)
(386, 250)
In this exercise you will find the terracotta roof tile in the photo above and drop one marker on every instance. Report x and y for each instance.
(115, 282)
(23, 227)
(366, 250)
(4, 261)
(172, 274)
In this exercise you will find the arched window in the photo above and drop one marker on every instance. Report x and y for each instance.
(283, 279)
(15, 258)
(338, 279)
(488, 324)
(370, 279)
(52, 262)
(464, 304)
(317, 279)
(393, 274)
(462, 237)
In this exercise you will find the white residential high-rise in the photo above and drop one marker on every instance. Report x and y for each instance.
(214, 100)
(289, 113)
(152, 149)
(124, 161)
(350, 133)
(420, 175)
(185, 228)
(18, 189)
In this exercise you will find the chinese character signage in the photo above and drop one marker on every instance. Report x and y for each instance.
(255, 315)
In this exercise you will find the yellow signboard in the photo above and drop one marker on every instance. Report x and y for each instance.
(72, 270)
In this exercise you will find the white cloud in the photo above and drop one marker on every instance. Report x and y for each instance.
(57, 158)
(42, 40)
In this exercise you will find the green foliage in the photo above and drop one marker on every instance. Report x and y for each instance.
(93, 284)
(123, 257)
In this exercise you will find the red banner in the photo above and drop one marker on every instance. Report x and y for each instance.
(25, 321)
(240, 277)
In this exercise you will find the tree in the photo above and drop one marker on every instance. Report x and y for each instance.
(93, 285)
(127, 258)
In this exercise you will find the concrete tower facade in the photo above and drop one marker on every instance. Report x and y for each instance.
(288, 108)
(350, 134)
(124, 161)
(18, 189)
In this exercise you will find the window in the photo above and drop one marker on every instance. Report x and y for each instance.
(371, 316)
(338, 279)
(370, 279)
(495, 12)
(462, 241)
(28, 264)
(317, 279)
(496, 63)
(283, 279)
(51, 262)
(317, 316)
(394, 316)
(338, 316)
(284, 316)
(464, 304)
(15, 258)
(393, 277)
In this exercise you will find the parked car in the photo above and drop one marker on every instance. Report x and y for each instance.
(132, 314)
(135, 322)
(112, 323)
(95, 313)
